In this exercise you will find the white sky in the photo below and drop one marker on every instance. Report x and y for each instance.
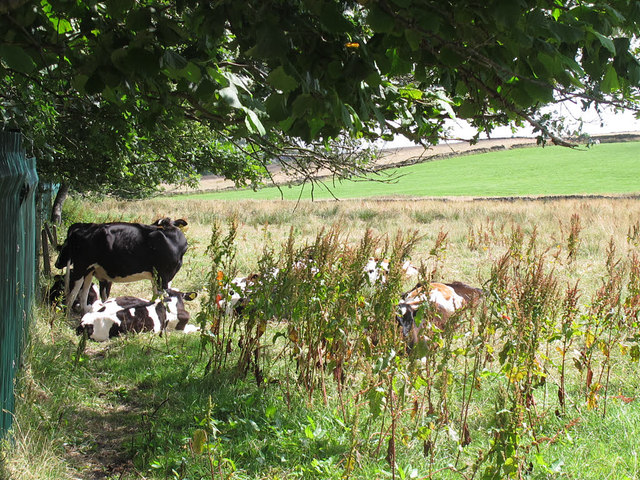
(593, 124)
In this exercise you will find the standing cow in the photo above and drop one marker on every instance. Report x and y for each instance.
(121, 252)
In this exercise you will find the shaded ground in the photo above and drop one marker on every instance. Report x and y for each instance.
(99, 449)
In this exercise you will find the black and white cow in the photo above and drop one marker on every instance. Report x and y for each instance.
(122, 315)
(121, 252)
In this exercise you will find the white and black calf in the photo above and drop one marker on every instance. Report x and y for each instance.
(377, 270)
(235, 295)
(445, 298)
(122, 315)
(121, 252)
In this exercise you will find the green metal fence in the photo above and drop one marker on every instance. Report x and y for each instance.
(18, 182)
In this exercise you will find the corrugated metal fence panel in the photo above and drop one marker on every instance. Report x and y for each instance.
(18, 182)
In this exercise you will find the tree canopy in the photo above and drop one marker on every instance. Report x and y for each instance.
(109, 92)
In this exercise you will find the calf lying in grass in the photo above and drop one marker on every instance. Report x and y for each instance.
(377, 270)
(131, 314)
(445, 298)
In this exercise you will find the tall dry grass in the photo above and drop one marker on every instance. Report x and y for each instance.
(477, 231)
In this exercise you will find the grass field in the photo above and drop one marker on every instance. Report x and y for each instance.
(539, 381)
(198, 407)
(611, 168)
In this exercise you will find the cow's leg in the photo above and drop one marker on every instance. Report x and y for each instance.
(84, 294)
(76, 282)
(67, 276)
(105, 289)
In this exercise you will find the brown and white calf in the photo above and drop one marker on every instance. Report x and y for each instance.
(127, 314)
(446, 299)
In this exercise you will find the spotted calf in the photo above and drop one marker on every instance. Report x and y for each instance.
(131, 314)
(377, 270)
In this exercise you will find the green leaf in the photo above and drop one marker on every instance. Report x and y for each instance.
(444, 103)
(379, 21)
(286, 124)
(538, 91)
(450, 57)
(230, 96)
(315, 125)
(116, 8)
(205, 90)
(507, 12)
(301, 105)
(335, 69)
(79, 82)
(605, 41)
(94, 84)
(610, 81)
(253, 123)
(411, 93)
(143, 61)
(173, 60)
(139, 20)
(275, 107)
(61, 25)
(281, 80)
(413, 39)
(17, 59)
(332, 18)
(119, 57)
(376, 399)
(198, 441)
(191, 72)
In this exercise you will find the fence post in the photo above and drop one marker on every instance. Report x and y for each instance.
(18, 181)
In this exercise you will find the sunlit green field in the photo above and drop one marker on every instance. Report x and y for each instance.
(612, 168)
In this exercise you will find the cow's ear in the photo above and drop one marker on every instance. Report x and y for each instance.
(162, 222)
(181, 222)
(190, 295)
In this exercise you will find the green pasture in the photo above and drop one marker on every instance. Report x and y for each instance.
(257, 397)
(612, 168)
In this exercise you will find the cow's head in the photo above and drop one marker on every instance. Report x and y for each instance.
(405, 316)
(177, 315)
(376, 270)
